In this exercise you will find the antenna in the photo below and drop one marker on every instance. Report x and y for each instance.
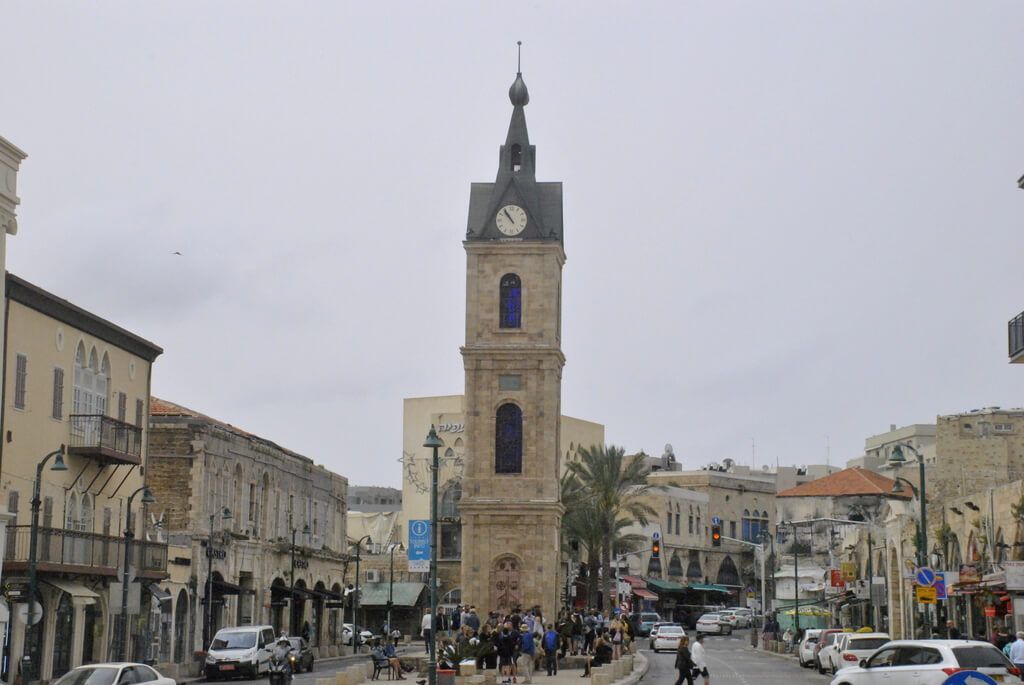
(753, 454)
(828, 456)
(519, 57)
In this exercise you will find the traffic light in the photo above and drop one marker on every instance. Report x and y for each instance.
(716, 536)
(656, 548)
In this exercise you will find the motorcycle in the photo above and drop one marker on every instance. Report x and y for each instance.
(281, 670)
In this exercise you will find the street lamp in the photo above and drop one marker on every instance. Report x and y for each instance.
(391, 583)
(434, 443)
(129, 533)
(291, 597)
(58, 465)
(896, 460)
(355, 602)
(225, 515)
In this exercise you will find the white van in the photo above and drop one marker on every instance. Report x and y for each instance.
(242, 651)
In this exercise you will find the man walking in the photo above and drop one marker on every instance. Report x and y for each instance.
(551, 650)
(426, 629)
(700, 659)
(1017, 650)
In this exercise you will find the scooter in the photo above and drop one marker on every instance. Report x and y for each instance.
(280, 670)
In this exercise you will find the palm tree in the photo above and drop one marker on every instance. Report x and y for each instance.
(610, 488)
(580, 524)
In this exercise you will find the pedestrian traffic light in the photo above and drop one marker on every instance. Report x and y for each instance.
(716, 536)
(656, 548)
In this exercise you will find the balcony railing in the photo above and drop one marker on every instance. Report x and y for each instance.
(105, 438)
(72, 551)
(1016, 337)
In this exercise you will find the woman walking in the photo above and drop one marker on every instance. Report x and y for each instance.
(684, 662)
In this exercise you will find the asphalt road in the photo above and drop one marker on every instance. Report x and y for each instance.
(731, 661)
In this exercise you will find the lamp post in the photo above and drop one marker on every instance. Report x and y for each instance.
(58, 465)
(129, 533)
(896, 460)
(355, 602)
(225, 515)
(391, 584)
(434, 443)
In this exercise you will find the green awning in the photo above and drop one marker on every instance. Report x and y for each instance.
(403, 594)
(663, 586)
(708, 588)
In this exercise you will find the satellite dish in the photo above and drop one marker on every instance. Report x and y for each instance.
(764, 467)
(728, 463)
(668, 448)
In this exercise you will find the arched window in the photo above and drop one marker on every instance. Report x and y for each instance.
(180, 626)
(511, 304)
(72, 511)
(517, 157)
(727, 573)
(508, 439)
(85, 514)
(449, 508)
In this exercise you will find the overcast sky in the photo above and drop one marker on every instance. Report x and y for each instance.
(793, 222)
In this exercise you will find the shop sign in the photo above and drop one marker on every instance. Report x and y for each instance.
(216, 553)
(940, 585)
(924, 595)
(849, 569)
(835, 577)
(301, 563)
(969, 574)
(990, 612)
(1014, 574)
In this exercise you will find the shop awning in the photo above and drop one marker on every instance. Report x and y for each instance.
(403, 594)
(161, 595)
(644, 594)
(328, 595)
(708, 588)
(226, 588)
(305, 593)
(663, 586)
(635, 581)
(77, 591)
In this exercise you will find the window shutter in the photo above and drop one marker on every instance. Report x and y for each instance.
(20, 381)
(58, 394)
(140, 409)
(122, 406)
(47, 512)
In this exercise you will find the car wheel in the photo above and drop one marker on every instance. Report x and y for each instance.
(818, 666)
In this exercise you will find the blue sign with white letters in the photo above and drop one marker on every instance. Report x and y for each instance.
(419, 540)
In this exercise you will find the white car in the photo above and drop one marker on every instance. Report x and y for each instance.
(346, 635)
(805, 652)
(850, 648)
(927, 662)
(737, 618)
(712, 623)
(113, 674)
(654, 630)
(668, 637)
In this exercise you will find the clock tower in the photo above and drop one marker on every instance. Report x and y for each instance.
(511, 510)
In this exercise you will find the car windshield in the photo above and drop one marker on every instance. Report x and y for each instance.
(866, 642)
(979, 656)
(709, 617)
(239, 640)
(647, 618)
(295, 642)
(100, 675)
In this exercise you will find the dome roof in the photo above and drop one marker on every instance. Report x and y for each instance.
(517, 93)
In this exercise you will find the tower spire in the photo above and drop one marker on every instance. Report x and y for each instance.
(519, 57)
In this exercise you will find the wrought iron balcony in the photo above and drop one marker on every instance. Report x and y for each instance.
(1015, 330)
(72, 551)
(106, 439)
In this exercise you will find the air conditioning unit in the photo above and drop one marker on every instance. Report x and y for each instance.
(372, 575)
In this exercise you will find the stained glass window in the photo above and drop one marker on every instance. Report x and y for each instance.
(508, 439)
(511, 301)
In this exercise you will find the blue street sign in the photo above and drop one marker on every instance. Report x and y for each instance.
(968, 678)
(940, 585)
(925, 576)
(419, 540)
(715, 521)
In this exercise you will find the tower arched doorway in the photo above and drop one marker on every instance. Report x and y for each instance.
(505, 583)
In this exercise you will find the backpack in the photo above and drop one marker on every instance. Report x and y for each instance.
(550, 640)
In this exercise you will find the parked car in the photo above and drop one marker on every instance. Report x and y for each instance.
(668, 638)
(241, 651)
(112, 674)
(712, 624)
(301, 656)
(737, 618)
(927, 662)
(346, 634)
(655, 628)
(647, 621)
(827, 637)
(805, 652)
(852, 647)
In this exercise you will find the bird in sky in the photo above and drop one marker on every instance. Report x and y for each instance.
(177, 253)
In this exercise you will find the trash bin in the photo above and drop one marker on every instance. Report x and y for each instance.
(445, 676)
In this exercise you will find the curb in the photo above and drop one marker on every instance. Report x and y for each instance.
(642, 665)
(789, 657)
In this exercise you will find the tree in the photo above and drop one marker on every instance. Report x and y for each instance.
(607, 489)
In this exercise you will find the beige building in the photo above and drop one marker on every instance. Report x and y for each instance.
(446, 413)
(75, 381)
(975, 451)
(285, 511)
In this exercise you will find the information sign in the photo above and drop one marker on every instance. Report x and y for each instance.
(924, 595)
(924, 576)
(940, 585)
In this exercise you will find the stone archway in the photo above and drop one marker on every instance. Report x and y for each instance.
(278, 601)
(727, 573)
(297, 608)
(693, 572)
(318, 614)
(675, 567)
(506, 583)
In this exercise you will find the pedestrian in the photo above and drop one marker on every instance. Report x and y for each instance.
(506, 648)
(524, 664)
(1017, 651)
(426, 628)
(684, 662)
(589, 633)
(551, 650)
(473, 621)
(951, 632)
(700, 659)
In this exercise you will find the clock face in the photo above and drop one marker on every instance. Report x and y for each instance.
(511, 219)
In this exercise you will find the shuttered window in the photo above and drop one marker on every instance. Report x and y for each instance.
(140, 409)
(20, 381)
(58, 394)
(122, 406)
